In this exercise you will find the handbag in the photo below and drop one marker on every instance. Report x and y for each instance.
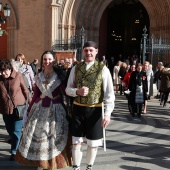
(19, 110)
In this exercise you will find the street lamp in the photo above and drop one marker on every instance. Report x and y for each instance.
(82, 34)
(6, 12)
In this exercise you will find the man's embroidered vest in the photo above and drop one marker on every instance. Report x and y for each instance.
(92, 78)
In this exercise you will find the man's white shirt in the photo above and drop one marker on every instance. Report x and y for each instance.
(109, 96)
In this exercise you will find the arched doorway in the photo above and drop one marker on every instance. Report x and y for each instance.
(8, 42)
(121, 28)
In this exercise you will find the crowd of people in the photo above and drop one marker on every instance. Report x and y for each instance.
(126, 76)
(70, 102)
(50, 134)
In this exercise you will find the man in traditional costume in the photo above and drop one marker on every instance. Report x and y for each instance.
(90, 82)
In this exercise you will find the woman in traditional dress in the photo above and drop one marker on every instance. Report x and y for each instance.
(45, 141)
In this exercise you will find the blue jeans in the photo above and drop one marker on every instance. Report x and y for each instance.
(14, 128)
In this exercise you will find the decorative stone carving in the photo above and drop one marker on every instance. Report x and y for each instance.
(60, 26)
(66, 27)
(59, 2)
(72, 27)
(63, 26)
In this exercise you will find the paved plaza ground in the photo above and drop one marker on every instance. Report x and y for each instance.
(132, 143)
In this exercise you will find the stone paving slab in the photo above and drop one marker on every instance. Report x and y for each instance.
(132, 143)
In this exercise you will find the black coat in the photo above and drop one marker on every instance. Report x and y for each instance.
(34, 68)
(111, 64)
(165, 82)
(157, 76)
(133, 85)
(122, 72)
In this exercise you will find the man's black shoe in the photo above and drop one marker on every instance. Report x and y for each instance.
(133, 115)
(139, 115)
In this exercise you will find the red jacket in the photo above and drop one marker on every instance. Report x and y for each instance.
(127, 79)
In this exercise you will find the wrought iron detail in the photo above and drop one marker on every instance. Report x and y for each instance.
(74, 43)
(153, 48)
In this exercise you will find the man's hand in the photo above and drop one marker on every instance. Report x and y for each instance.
(106, 121)
(83, 91)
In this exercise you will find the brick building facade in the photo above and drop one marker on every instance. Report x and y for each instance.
(35, 25)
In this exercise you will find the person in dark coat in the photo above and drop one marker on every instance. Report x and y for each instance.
(104, 61)
(139, 88)
(34, 66)
(111, 64)
(157, 79)
(165, 84)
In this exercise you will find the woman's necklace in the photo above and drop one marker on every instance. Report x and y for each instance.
(47, 78)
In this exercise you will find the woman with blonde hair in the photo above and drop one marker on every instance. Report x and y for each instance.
(116, 79)
(121, 75)
(26, 70)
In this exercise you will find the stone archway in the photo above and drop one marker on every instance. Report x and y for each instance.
(88, 13)
(67, 14)
(159, 17)
(11, 26)
(120, 30)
